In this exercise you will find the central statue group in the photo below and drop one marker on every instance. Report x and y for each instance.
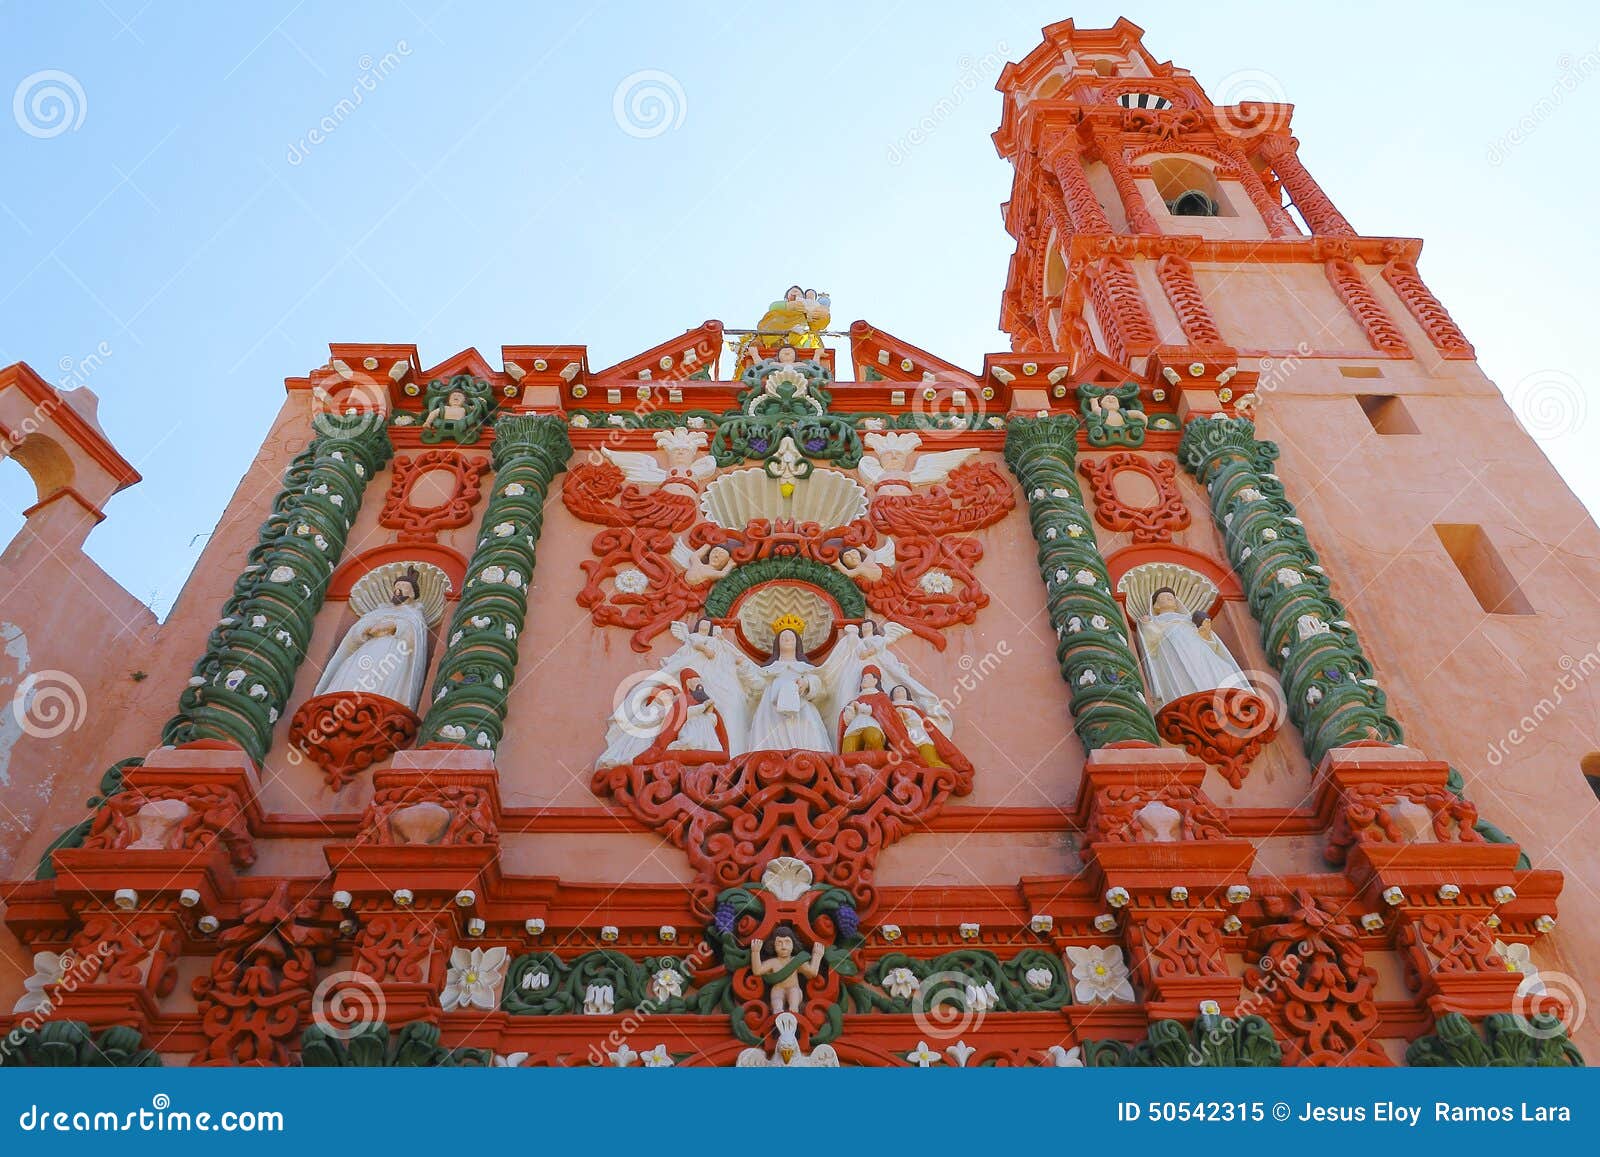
(708, 701)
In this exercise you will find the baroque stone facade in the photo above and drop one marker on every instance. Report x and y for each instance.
(718, 708)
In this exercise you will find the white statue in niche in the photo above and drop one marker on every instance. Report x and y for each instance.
(687, 463)
(386, 651)
(895, 463)
(1170, 605)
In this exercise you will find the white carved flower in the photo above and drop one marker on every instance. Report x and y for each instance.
(1100, 973)
(48, 969)
(234, 678)
(1074, 530)
(1313, 695)
(1050, 532)
(696, 422)
(666, 984)
(1061, 492)
(982, 997)
(623, 1057)
(1518, 958)
(511, 630)
(513, 489)
(599, 1000)
(280, 574)
(922, 1056)
(632, 581)
(1088, 678)
(504, 529)
(493, 574)
(473, 978)
(1269, 535)
(962, 1052)
(901, 982)
(322, 543)
(1065, 1058)
(937, 582)
(657, 1058)
(513, 578)
(534, 981)
(258, 621)
(510, 1060)
(483, 740)
(1287, 576)
(581, 421)
(1062, 575)
(1037, 978)
(1098, 622)
(1085, 578)
(453, 731)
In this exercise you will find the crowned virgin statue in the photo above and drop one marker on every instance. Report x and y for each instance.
(786, 715)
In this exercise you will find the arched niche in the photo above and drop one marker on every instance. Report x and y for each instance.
(447, 560)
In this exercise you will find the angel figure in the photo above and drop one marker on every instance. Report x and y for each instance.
(658, 704)
(711, 562)
(891, 466)
(867, 645)
(784, 971)
(686, 467)
(862, 565)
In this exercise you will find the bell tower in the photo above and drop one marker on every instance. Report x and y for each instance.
(1158, 229)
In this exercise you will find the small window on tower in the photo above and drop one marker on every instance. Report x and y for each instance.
(1480, 564)
(1387, 413)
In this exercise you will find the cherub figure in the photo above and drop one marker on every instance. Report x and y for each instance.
(711, 562)
(863, 565)
(895, 463)
(686, 466)
(784, 970)
(452, 409)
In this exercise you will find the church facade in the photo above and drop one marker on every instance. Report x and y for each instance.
(1200, 681)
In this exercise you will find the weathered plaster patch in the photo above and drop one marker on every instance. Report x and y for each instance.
(12, 669)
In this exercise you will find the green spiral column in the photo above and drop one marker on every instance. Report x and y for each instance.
(1328, 682)
(475, 673)
(1108, 703)
(241, 683)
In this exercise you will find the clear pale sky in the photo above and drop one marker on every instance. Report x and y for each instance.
(182, 230)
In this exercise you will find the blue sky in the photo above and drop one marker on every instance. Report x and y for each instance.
(188, 235)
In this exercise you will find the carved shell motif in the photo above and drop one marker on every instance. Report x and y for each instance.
(827, 497)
